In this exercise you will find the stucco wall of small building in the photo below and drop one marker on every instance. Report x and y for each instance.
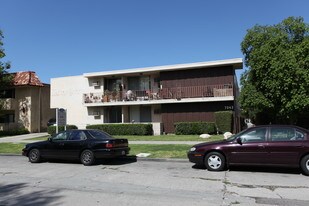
(66, 92)
(31, 107)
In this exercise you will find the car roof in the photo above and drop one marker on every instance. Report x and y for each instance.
(283, 126)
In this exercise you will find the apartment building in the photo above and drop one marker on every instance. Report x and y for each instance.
(161, 95)
(25, 104)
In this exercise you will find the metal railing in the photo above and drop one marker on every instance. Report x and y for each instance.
(164, 93)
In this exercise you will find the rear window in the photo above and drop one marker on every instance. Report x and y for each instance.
(96, 134)
(286, 134)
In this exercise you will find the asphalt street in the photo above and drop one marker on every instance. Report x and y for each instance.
(139, 182)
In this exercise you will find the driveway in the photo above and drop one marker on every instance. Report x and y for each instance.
(130, 182)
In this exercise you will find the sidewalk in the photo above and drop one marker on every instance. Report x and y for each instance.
(24, 139)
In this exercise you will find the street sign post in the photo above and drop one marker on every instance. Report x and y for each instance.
(61, 118)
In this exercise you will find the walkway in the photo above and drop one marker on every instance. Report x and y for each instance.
(25, 139)
(22, 138)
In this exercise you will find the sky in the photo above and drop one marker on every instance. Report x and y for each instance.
(57, 38)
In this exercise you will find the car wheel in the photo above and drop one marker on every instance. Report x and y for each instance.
(87, 157)
(214, 161)
(34, 156)
(304, 164)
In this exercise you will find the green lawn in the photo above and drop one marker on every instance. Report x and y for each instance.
(11, 148)
(161, 151)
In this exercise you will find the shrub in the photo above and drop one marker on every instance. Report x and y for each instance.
(224, 121)
(124, 129)
(52, 129)
(18, 131)
(187, 128)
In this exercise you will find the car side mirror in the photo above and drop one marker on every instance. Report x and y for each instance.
(239, 141)
(50, 139)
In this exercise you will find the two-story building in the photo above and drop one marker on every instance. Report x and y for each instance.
(161, 95)
(26, 103)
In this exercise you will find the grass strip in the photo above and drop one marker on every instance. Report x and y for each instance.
(11, 148)
(161, 151)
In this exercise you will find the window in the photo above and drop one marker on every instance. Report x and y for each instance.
(299, 135)
(96, 134)
(254, 135)
(77, 135)
(139, 83)
(7, 93)
(7, 118)
(113, 84)
(286, 134)
(61, 136)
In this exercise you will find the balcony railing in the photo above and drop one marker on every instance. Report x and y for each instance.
(164, 93)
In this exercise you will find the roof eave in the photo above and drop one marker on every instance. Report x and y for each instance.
(237, 63)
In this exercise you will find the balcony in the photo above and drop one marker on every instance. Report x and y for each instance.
(174, 93)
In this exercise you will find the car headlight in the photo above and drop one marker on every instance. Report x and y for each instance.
(192, 149)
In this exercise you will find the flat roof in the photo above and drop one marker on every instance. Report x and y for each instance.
(237, 63)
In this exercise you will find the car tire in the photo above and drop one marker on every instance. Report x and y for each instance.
(214, 161)
(304, 164)
(34, 156)
(87, 158)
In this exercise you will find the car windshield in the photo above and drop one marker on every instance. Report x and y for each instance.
(96, 134)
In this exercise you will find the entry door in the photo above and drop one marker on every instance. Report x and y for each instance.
(113, 115)
(145, 114)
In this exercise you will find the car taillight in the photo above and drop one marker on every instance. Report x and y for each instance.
(109, 145)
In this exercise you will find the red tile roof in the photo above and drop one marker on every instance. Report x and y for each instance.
(26, 78)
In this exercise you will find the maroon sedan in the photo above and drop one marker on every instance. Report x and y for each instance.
(273, 145)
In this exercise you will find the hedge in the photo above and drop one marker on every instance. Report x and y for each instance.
(188, 128)
(224, 121)
(124, 129)
(14, 132)
(52, 129)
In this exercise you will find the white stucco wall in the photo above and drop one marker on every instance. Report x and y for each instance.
(66, 92)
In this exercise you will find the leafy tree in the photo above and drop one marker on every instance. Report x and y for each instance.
(5, 78)
(275, 88)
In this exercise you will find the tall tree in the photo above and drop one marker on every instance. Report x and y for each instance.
(275, 88)
(5, 77)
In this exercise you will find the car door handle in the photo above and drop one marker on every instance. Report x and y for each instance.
(261, 146)
(61, 144)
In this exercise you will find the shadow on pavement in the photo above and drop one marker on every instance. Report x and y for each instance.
(282, 170)
(20, 194)
(108, 161)
(117, 161)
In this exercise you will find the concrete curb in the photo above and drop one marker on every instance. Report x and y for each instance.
(9, 154)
